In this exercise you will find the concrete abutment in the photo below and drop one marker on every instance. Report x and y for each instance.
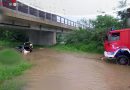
(42, 37)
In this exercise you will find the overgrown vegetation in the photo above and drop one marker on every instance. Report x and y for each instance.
(84, 41)
(124, 14)
(92, 38)
(13, 35)
(11, 65)
(12, 38)
(9, 44)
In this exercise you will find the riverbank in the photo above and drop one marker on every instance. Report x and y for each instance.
(12, 64)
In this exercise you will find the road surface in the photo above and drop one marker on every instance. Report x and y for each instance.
(55, 70)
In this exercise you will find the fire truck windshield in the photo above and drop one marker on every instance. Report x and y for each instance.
(113, 36)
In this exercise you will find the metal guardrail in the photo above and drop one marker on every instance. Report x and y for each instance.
(41, 14)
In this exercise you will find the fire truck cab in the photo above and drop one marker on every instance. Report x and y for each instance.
(117, 46)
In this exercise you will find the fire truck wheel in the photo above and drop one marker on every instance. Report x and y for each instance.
(123, 60)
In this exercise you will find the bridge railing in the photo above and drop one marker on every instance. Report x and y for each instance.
(41, 14)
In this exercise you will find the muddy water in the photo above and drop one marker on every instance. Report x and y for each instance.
(66, 71)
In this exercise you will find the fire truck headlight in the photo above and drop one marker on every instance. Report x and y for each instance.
(110, 53)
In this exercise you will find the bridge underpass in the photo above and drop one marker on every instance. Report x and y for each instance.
(42, 37)
(37, 37)
(41, 26)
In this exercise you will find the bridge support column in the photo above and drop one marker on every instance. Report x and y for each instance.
(42, 37)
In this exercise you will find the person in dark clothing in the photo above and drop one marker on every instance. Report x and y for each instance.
(28, 46)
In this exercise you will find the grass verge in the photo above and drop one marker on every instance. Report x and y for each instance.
(12, 84)
(11, 65)
(91, 48)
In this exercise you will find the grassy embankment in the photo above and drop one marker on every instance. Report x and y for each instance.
(11, 65)
(91, 48)
(8, 44)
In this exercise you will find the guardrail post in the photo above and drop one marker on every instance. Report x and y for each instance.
(28, 10)
(70, 23)
(37, 13)
(16, 6)
(51, 17)
(60, 19)
(64, 20)
(67, 22)
(45, 15)
(56, 18)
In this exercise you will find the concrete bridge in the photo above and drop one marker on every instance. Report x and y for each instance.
(41, 26)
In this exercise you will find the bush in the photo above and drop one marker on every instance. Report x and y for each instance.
(86, 40)
(7, 44)
(91, 40)
(13, 35)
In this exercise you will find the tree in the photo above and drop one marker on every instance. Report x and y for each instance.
(106, 22)
(124, 14)
(91, 39)
(87, 23)
(13, 35)
(122, 3)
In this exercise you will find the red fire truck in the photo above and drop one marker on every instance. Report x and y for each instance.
(117, 46)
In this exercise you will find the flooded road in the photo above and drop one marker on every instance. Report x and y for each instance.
(70, 71)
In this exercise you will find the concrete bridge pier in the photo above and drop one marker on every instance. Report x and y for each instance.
(42, 37)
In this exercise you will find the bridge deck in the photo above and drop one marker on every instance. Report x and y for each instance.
(27, 20)
(32, 18)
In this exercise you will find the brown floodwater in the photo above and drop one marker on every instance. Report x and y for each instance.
(55, 70)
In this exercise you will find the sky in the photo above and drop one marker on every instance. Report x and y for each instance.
(75, 8)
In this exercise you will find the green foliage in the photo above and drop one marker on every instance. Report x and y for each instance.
(86, 36)
(91, 40)
(13, 35)
(124, 17)
(78, 36)
(11, 64)
(8, 57)
(80, 48)
(122, 3)
(7, 44)
(124, 14)
(85, 40)
(106, 21)
(8, 72)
